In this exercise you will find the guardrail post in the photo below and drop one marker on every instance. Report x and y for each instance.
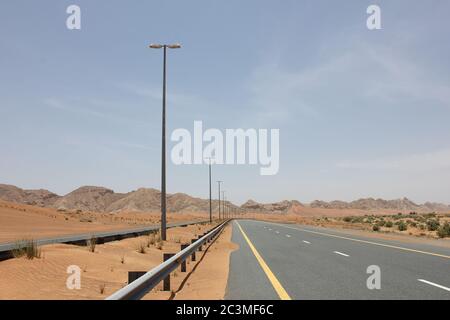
(193, 252)
(200, 247)
(134, 275)
(166, 281)
(183, 264)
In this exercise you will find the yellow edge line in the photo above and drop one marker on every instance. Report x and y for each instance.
(365, 241)
(273, 280)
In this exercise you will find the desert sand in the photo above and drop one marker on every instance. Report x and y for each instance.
(20, 221)
(103, 271)
(206, 279)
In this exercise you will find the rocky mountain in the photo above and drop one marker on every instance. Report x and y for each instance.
(277, 207)
(88, 198)
(379, 204)
(99, 199)
(41, 197)
(140, 200)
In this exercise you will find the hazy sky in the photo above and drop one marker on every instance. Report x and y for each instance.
(361, 113)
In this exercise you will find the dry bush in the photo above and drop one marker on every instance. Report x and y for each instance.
(28, 248)
(91, 243)
(122, 260)
(159, 245)
(177, 240)
(444, 230)
(102, 288)
(150, 240)
(141, 248)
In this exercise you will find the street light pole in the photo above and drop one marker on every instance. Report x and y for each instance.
(219, 182)
(224, 214)
(210, 200)
(163, 146)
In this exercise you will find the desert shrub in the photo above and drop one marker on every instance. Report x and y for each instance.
(177, 240)
(376, 227)
(159, 245)
(420, 219)
(430, 215)
(444, 230)
(432, 225)
(421, 226)
(28, 248)
(157, 237)
(141, 247)
(381, 223)
(368, 220)
(347, 219)
(412, 224)
(32, 250)
(101, 288)
(357, 220)
(150, 240)
(91, 244)
(388, 224)
(19, 249)
(413, 213)
(402, 226)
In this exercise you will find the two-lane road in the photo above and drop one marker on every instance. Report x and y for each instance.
(284, 261)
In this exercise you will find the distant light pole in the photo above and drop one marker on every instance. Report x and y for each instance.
(163, 147)
(219, 182)
(223, 205)
(210, 200)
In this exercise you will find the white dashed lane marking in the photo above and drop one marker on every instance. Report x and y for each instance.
(342, 254)
(434, 284)
(307, 242)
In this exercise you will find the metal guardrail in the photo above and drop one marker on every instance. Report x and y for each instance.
(140, 287)
(6, 249)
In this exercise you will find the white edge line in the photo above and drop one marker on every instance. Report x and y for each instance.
(306, 242)
(434, 284)
(342, 254)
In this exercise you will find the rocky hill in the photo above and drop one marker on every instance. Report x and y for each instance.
(381, 204)
(99, 199)
(88, 198)
(277, 207)
(41, 197)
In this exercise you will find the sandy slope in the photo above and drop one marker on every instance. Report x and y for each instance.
(209, 281)
(45, 278)
(206, 278)
(24, 221)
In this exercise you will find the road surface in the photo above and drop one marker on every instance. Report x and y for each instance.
(285, 261)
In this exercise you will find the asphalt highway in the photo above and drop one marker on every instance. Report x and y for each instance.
(286, 261)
